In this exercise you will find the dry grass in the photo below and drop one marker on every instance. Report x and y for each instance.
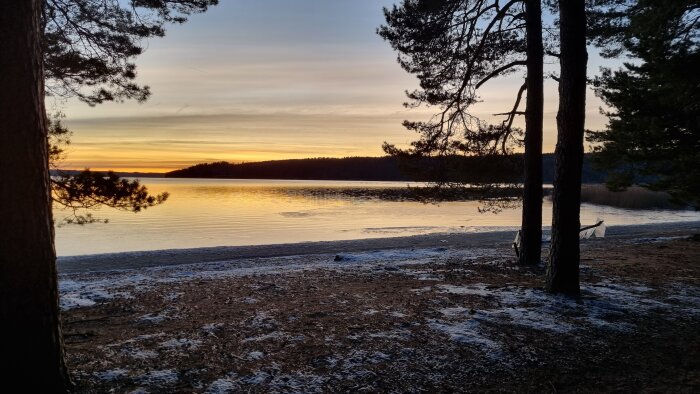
(634, 197)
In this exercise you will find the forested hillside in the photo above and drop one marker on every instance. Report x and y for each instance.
(470, 169)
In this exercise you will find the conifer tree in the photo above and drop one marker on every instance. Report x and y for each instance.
(653, 135)
(455, 47)
(82, 48)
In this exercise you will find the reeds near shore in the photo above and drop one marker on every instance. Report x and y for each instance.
(635, 197)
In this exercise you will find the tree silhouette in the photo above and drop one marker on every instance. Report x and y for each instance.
(68, 46)
(90, 45)
(531, 229)
(563, 264)
(87, 190)
(653, 126)
(455, 47)
(32, 351)
(89, 49)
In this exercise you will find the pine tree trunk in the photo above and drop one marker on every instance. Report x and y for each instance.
(32, 347)
(532, 193)
(563, 267)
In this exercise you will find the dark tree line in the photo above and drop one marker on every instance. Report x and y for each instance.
(463, 169)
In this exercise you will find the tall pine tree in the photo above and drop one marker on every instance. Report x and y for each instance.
(32, 345)
(564, 253)
(455, 47)
(73, 45)
(653, 132)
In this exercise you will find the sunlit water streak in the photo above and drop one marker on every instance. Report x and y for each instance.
(201, 213)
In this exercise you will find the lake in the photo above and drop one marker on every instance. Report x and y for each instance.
(232, 212)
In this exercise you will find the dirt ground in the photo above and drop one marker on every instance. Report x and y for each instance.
(440, 320)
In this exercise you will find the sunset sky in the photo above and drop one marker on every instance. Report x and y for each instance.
(268, 79)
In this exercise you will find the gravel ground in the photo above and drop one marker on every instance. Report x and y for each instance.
(438, 313)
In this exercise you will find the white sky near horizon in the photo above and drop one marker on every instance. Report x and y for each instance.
(265, 80)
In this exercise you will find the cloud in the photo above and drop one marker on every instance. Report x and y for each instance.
(168, 142)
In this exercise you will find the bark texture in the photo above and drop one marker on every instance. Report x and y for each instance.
(532, 193)
(563, 266)
(32, 348)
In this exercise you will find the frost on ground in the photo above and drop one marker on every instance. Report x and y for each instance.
(87, 289)
(405, 320)
(603, 305)
(177, 343)
(222, 386)
(158, 378)
(112, 374)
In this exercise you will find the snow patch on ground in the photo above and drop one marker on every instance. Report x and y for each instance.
(256, 355)
(86, 289)
(70, 301)
(172, 296)
(425, 275)
(158, 378)
(222, 386)
(602, 306)
(468, 332)
(258, 377)
(75, 294)
(149, 336)
(275, 335)
(211, 327)
(178, 343)
(478, 289)
(395, 334)
(112, 374)
(152, 318)
(263, 320)
(140, 354)
(82, 291)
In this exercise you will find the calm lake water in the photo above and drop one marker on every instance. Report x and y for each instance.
(202, 213)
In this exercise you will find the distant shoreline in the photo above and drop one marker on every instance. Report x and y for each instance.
(489, 239)
(463, 169)
(119, 173)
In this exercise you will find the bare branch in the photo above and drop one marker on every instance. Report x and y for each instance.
(510, 113)
(499, 70)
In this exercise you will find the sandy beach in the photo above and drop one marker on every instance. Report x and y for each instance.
(432, 313)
